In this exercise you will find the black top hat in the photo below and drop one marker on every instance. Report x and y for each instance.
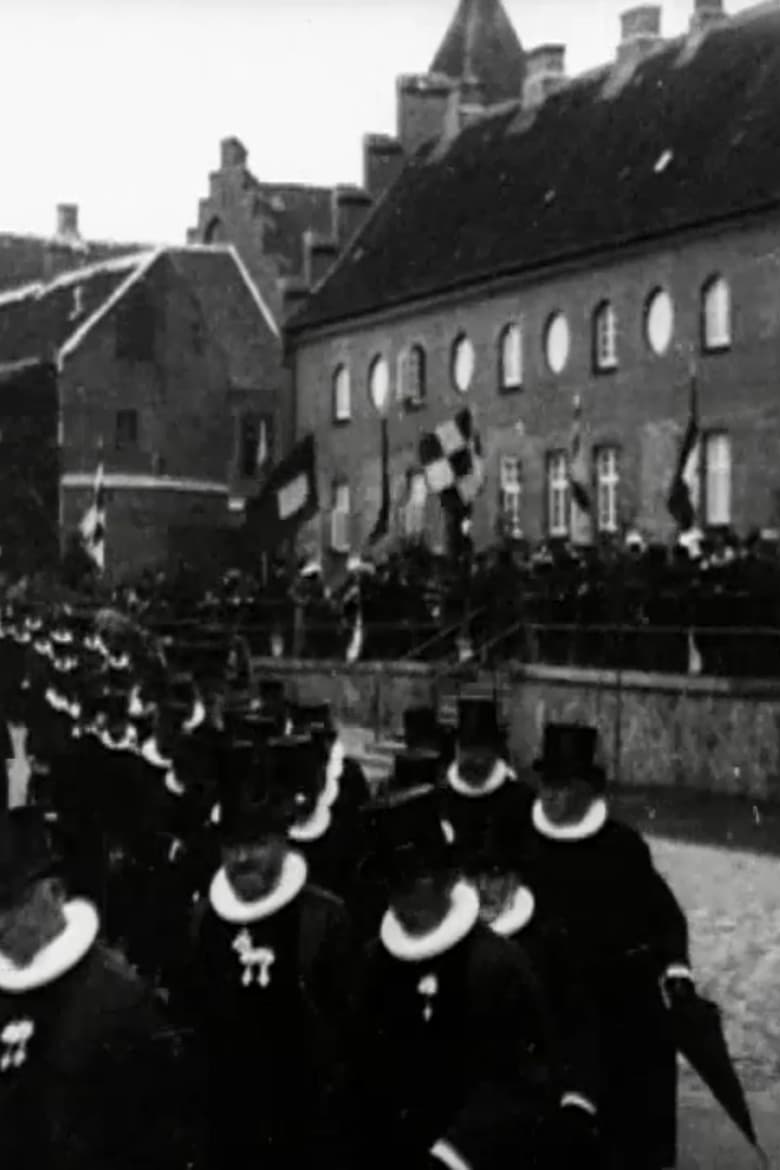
(422, 729)
(478, 723)
(312, 718)
(409, 840)
(26, 852)
(569, 753)
(296, 776)
(414, 770)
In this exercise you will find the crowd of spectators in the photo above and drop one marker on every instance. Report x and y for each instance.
(702, 606)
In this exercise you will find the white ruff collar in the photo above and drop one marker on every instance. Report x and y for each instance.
(173, 784)
(591, 824)
(151, 753)
(317, 824)
(126, 744)
(457, 923)
(196, 718)
(60, 956)
(517, 914)
(333, 770)
(56, 701)
(122, 662)
(498, 777)
(230, 908)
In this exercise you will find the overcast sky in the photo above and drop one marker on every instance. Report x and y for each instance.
(119, 105)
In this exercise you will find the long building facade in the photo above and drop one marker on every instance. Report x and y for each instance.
(605, 246)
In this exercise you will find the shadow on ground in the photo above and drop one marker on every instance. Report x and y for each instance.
(729, 822)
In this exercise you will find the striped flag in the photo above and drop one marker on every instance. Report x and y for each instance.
(93, 523)
(578, 463)
(685, 489)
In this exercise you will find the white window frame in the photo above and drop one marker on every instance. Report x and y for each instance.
(342, 394)
(557, 342)
(510, 494)
(607, 488)
(716, 314)
(511, 364)
(558, 495)
(717, 479)
(412, 389)
(605, 353)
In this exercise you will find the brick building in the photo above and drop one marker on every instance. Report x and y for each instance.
(598, 238)
(169, 372)
(290, 234)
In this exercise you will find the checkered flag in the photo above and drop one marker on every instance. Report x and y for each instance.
(93, 523)
(451, 459)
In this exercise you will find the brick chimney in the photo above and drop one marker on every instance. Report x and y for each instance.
(319, 253)
(67, 229)
(545, 72)
(427, 109)
(233, 153)
(383, 161)
(706, 14)
(349, 208)
(640, 33)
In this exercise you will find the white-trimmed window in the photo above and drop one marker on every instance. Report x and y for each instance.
(510, 357)
(557, 343)
(717, 470)
(412, 386)
(605, 356)
(463, 362)
(342, 395)
(558, 494)
(510, 498)
(608, 488)
(340, 517)
(414, 505)
(659, 321)
(716, 314)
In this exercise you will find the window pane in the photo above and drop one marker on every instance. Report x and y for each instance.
(717, 314)
(606, 337)
(342, 406)
(558, 494)
(512, 357)
(718, 479)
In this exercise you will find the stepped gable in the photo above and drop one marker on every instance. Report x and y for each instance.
(686, 137)
(481, 45)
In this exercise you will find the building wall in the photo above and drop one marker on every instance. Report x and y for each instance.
(642, 407)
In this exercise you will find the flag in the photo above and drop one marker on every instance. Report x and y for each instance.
(93, 523)
(684, 492)
(451, 459)
(382, 526)
(578, 463)
(288, 499)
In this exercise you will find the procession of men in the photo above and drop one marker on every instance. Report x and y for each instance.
(218, 942)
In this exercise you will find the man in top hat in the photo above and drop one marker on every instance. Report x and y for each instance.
(83, 1073)
(346, 785)
(594, 877)
(454, 1068)
(423, 730)
(482, 800)
(273, 976)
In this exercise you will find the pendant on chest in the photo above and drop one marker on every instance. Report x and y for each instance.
(428, 988)
(256, 962)
(14, 1039)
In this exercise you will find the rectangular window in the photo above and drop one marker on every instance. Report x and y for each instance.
(411, 388)
(126, 430)
(511, 495)
(717, 470)
(608, 487)
(558, 494)
(340, 517)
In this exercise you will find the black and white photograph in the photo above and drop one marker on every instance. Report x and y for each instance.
(390, 585)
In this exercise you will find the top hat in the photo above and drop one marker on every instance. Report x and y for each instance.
(295, 774)
(312, 718)
(423, 730)
(413, 770)
(478, 723)
(569, 753)
(408, 837)
(26, 852)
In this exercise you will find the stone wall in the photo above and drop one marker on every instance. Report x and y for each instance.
(712, 735)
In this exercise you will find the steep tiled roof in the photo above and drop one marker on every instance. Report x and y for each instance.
(690, 136)
(29, 258)
(290, 210)
(481, 44)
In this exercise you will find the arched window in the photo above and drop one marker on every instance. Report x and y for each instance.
(605, 338)
(462, 363)
(379, 382)
(557, 342)
(510, 357)
(215, 232)
(716, 314)
(342, 395)
(659, 321)
(412, 386)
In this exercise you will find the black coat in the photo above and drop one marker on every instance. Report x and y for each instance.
(489, 830)
(623, 924)
(275, 1057)
(94, 1088)
(475, 1074)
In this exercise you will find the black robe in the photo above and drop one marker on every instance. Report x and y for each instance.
(92, 1088)
(487, 831)
(623, 924)
(275, 1054)
(476, 1073)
